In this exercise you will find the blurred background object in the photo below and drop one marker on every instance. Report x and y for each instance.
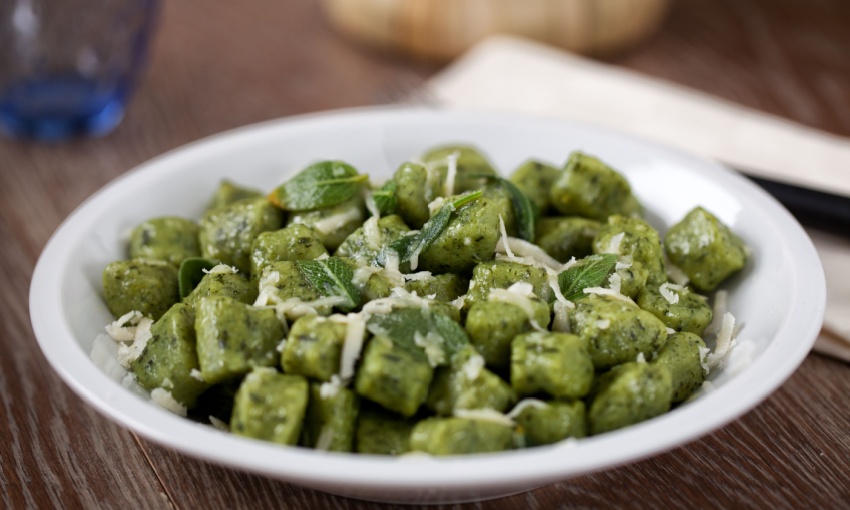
(442, 29)
(69, 67)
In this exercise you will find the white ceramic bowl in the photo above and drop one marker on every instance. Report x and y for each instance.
(779, 296)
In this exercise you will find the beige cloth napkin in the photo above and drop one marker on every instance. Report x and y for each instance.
(516, 75)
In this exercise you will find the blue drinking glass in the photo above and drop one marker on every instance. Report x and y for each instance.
(69, 67)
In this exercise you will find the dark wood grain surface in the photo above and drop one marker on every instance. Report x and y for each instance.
(219, 64)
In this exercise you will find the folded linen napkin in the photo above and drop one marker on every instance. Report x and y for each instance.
(516, 75)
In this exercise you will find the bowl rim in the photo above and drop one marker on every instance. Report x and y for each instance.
(539, 465)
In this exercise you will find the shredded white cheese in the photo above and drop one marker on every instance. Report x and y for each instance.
(603, 324)
(124, 328)
(519, 294)
(614, 243)
(420, 276)
(524, 404)
(561, 321)
(372, 233)
(608, 292)
(451, 173)
(719, 310)
(432, 344)
(472, 367)
(293, 308)
(355, 333)
(703, 356)
(640, 358)
(326, 437)
(221, 269)
(503, 241)
(268, 288)
(614, 282)
(523, 252)
(671, 291)
(362, 275)
(398, 298)
(165, 400)
(197, 375)
(281, 346)
(330, 388)
(337, 221)
(459, 302)
(371, 206)
(724, 343)
(676, 274)
(435, 205)
(625, 262)
(141, 335)
(220, 425)
(484, 415)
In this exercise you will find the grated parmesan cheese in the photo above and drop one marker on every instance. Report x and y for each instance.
(670, 292)
(676, 274)
(165, 400)
(521, 251)
(281, 346)
(458, 302)
(524, 404)
(435, 205)
(371, 206)
(451, 173)
(355, 333)
(640, 358)
(608, 292)
(220, 425)
(724, 343)
(293, 308)
(221, 269)
(197, 375)
(484, 415)
(519, 294)
(372, 232)
(123, 329)
(420, 276)
(141, 335)
(561, 321)
(614, 282)
(362, 275)
(472, 367)
(326, 437)
(625, 262)
(614, 243)
(703, 355)
(432, 344)
(337, 221)
(603, 324)
(330, 388)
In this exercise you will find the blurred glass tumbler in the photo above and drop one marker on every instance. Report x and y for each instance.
(68, 67)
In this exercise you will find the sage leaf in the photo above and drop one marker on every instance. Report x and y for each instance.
(320, 185)
(409, 247)
(588, 272)
(385, 198)
(191, 273)
(331, 277)
(524, 208)
(402, 325)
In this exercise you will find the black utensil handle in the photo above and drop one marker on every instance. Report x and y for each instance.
(811, 207)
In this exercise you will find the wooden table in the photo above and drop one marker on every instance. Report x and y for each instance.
(217, 66)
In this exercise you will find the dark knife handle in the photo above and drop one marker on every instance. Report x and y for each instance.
(812, 208)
